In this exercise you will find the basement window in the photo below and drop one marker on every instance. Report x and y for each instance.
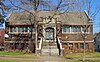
(98, 47)
(10, 29)
(81, 45)
(71, 46)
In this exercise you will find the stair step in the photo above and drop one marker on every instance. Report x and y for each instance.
(49, 44)
(49, 47)
(50, 52)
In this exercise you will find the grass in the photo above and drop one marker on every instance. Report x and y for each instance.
(80, 55)
(18, 54)
(9, 60)
(11, 53)
(31, 55)
(81, 61)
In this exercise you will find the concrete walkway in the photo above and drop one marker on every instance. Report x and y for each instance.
(47, 58)
(51, 58)
(43, 58)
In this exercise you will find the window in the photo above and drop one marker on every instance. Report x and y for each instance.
(78, 28)
(71, 29)
(18, 29)
(76, 45)
(31, 29)
(10, 29)
(71, 46)
(26, 29)
(22, 29)
(14, 29)
(75, 29)
(83, 28)
(81, 45)
(49, 34)
(98, 47)
(87, 46)
(66, 28)
(16, 45)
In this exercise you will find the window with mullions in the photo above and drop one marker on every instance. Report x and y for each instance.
(75, 29)
(31, 29)
(18, 29)
(81, 45)
(78, 29)
(71, 46)
(49, 34)
(10, 29)
(76, 45)
(23, 29)
(83, 28)
(26, 29)
(14, 29)
(66, 28)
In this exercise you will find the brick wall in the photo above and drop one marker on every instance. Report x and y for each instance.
(2, 32)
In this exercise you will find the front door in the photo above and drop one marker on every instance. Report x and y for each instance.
(49, 34)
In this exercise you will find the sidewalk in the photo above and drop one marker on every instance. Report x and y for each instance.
(47, 58)
(42, 58)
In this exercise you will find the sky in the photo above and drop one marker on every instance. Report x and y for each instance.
(96, 21)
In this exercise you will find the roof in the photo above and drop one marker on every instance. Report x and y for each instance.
(97, 34)
(68, 18)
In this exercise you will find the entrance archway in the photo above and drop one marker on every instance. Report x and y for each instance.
(49, 34)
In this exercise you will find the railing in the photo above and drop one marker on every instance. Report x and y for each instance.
(40, 47)
(60, 45)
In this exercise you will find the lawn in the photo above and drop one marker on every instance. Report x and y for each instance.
(11, 53)
(10, 60)
(80, 55)
(17, 54)
(81, 61)
(69, 57)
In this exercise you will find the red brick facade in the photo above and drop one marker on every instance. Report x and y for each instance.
(2, 32)
(71, 37)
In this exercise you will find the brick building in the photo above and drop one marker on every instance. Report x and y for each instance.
(56, 35)
(97, 41)
(2, 32)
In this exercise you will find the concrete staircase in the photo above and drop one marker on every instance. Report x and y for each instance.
(50, 49)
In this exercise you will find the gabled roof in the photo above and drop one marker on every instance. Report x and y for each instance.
(68, 18)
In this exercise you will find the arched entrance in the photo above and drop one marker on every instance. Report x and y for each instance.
(49, 34)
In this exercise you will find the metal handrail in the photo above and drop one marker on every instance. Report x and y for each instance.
(40, 45)
(60, 43)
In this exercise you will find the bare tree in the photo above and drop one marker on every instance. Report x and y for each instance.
(3, 8)
(88, 7)
(35, 6)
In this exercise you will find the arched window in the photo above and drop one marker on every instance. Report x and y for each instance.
(49, 33)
